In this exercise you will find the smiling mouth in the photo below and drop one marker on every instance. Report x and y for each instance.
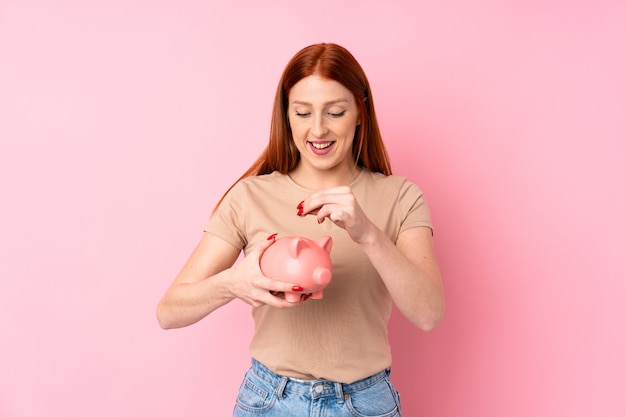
(320, 146)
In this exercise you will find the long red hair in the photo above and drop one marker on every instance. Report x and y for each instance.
(336, 63)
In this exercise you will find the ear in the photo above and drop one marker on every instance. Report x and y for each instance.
(325, 242)
(295, 247)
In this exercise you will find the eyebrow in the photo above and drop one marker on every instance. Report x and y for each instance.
(328, 103)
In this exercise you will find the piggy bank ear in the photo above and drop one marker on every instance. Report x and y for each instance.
(295, 247)
(325, 242)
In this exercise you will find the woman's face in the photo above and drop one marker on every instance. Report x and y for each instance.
(323, 117)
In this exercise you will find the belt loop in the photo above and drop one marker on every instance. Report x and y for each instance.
(339, 392)
(280, 390)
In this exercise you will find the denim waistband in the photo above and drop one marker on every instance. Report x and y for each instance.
(314, 387)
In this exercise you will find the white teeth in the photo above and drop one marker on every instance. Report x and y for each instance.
(321, 145)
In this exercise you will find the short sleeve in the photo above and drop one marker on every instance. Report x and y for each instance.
(413, 207)
(228, 221)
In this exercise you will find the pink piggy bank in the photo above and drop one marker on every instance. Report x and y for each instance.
(300, 261)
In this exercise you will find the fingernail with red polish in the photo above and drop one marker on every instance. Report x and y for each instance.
(307, 296)
(297, 288)
(300, 211)
(301, 205)
(272, 237)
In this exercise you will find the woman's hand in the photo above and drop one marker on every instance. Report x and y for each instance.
(210, 279)
(341, 207)
(251, 286)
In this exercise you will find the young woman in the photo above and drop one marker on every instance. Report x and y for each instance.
(325, 171)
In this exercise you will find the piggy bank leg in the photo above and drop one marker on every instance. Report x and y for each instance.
(292, 297)
(317, 295)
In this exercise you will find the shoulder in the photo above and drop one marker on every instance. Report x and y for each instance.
(389, 184)
(273, 178)
(260, 182)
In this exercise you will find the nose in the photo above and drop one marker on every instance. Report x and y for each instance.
(319, 129)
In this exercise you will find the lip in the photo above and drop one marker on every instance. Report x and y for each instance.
(323, 151)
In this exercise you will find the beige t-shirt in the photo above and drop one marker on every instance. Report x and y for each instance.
(342, 337)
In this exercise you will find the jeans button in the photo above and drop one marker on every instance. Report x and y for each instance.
(319, 388)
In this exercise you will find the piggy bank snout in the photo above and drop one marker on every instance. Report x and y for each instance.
(322, 275)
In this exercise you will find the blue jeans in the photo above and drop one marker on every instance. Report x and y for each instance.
(265, 393)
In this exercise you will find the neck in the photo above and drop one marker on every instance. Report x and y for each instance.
(319, 180)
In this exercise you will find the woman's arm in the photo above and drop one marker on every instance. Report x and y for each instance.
(408, 268)
(211, 279)
(410, 272)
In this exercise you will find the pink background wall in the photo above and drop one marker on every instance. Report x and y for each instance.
(122, 122)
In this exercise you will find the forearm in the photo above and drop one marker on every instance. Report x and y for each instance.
(187, 303)
(414, 283)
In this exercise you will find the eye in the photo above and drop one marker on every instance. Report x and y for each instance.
(335, 115)
(303, 115)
